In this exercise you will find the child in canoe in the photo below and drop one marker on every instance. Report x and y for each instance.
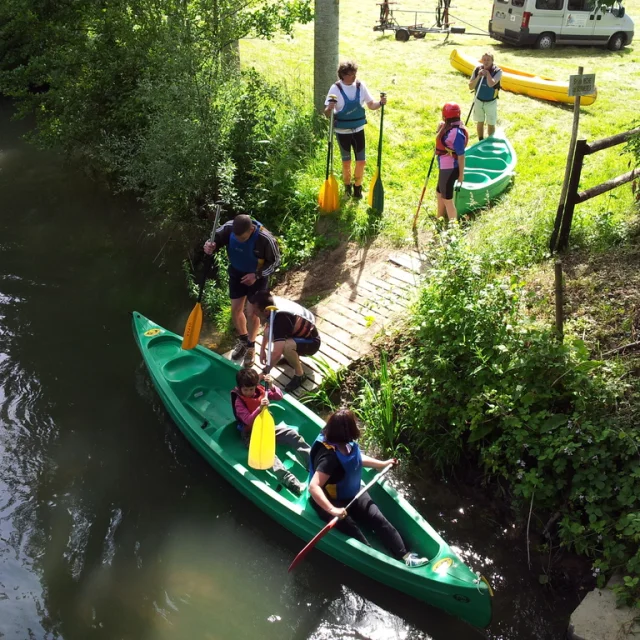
(336, 474)
(247, 400)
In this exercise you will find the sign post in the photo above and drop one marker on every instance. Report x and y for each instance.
(579, 85)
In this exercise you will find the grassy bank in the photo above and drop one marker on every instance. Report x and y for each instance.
(419, 78)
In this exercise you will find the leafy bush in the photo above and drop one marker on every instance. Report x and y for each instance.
(479, 381)
(376, 407)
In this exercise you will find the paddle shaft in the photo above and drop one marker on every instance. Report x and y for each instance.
(330, 145)
(270, 343)
(312, 543)
(382, 95)
(475, 95)
(209, 259)
(424, 188)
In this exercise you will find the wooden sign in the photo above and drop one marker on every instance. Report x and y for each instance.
(582, 85)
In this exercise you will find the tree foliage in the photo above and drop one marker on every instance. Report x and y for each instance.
(147, 91)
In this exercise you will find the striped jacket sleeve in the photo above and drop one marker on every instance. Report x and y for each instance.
(223, 233)
(267, 250)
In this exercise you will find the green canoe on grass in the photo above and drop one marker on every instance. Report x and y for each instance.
(489, 167)
(195, 388)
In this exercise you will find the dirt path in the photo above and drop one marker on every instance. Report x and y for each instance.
(354, 292)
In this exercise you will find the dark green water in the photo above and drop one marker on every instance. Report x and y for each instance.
(111, 526)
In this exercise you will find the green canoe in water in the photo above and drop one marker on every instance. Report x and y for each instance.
(195, 389)
(489, 168)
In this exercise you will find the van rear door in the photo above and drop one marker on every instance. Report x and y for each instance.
(579, 22)
(500, 21)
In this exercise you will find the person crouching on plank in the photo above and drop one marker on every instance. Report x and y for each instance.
(247, 401)
(451, 141)
(349, 121)
(336, 473)
(294, 334)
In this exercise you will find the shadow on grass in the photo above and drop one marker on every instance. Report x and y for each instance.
(562, 52)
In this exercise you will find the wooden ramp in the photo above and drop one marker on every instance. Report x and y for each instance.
(349, 319)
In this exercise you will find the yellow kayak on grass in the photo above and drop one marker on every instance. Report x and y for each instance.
(528, 84)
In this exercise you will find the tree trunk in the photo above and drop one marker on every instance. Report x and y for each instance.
(325, 49)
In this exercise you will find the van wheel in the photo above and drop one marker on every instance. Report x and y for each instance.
(617, 41)
(546, 41)
(402, 35)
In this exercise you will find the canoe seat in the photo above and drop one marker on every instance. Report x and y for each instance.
(212, 405)
(473, 176)
(185, 367)
(494, 163)
(163, 348)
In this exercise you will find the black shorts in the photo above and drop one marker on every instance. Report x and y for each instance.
(348, 141)
(239, 290)
(307, 346)
(446, 182)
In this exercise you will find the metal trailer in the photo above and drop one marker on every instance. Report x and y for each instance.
(389, 21)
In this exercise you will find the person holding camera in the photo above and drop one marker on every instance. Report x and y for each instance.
(485, 104)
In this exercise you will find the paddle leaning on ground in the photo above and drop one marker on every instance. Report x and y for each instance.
(376, 190)
(329, 197)
(262, 446)
(433, 157)
(193, 327)
(312, 543)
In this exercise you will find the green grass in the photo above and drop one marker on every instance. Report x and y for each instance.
(419, 79)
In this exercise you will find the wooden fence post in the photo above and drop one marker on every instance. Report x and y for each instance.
(582, 149)
(567, 172)
(559, 300)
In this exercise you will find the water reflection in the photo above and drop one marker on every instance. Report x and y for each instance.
(111, 525)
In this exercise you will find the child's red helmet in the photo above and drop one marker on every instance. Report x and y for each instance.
(451, 110)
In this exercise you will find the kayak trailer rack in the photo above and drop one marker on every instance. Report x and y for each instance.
(389, 21)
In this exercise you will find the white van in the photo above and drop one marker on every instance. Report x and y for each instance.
(544, 23)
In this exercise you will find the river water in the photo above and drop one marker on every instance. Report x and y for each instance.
(111, 526)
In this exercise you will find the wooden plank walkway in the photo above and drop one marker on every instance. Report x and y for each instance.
(351, 317)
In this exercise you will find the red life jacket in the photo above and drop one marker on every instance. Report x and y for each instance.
(441, 147)
(251, 403)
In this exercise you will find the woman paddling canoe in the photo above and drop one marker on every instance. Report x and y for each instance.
(336, 472)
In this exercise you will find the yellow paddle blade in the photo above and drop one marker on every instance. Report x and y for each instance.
(333, 194)
(376, 177)
(329, 196)
(193, 327)
(262, 446)
(321, 195)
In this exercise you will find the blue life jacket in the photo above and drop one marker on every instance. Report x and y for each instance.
(352, 114)
(241, 254)
(487, 93)
(348, 487)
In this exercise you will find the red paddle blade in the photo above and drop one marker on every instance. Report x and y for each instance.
(301, 556)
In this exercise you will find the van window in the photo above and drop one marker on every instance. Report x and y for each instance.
(549, 5)
(504, 1)
(581, 5)
(517, 3)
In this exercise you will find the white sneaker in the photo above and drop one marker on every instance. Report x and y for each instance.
(413, 560)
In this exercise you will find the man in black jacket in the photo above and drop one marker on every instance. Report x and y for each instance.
(253, 257)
